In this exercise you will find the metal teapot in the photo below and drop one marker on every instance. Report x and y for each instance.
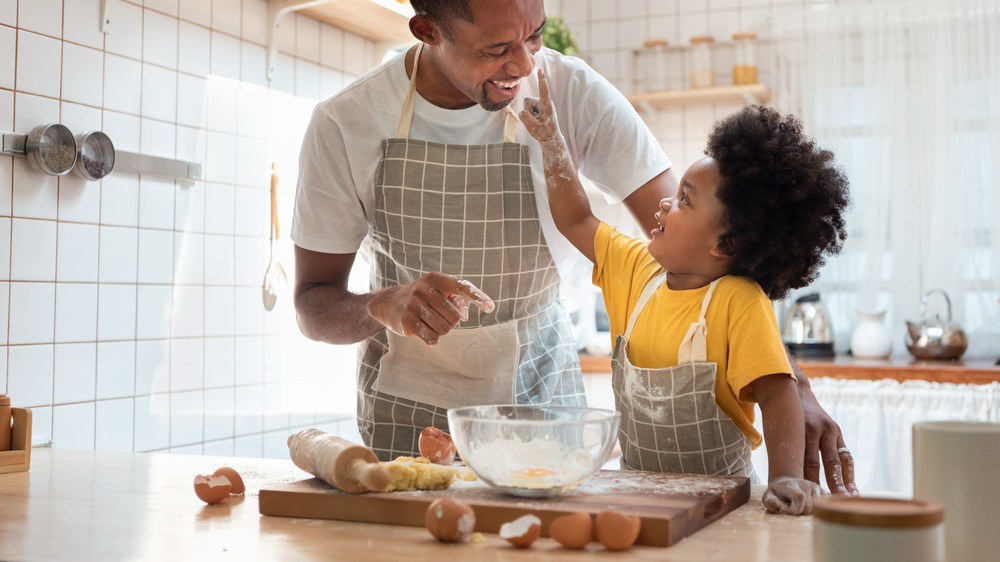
(934, 338)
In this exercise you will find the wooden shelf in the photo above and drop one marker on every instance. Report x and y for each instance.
(384, 21)
(378, 20)
(745, 94)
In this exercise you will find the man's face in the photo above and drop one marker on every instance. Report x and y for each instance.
(484, 60)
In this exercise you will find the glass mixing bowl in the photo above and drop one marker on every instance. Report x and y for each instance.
(533, 451)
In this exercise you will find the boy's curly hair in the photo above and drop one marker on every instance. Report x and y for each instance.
(784, 199)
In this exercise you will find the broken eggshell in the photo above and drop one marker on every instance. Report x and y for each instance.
(572, 531)
(211, 489)
(436, 446)
(238, 487)
(523, 531)
(615, 530)
(450, 520)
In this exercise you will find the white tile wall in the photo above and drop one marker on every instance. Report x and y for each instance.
(76, 312)
(130, 309)
(36, 15)
(159, 39)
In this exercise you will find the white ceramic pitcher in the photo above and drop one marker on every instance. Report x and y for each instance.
(871, 338)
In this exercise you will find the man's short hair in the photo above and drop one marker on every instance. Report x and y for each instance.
(443, 13)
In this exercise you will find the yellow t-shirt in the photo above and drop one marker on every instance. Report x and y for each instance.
(743, 338)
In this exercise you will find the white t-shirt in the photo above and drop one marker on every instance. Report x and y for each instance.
(340, 154)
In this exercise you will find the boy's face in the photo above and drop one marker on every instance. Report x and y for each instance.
(690, 225)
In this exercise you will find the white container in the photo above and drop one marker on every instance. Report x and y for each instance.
(871, 338)
(957, 463)
(700, 62)
(860, 529)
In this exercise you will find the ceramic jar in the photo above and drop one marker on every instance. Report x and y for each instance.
(871, 339)
(870, 529)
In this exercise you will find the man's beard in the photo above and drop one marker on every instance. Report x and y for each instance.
(490, 105)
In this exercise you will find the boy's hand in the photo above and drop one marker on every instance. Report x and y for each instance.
(791, 496)
(539, 115)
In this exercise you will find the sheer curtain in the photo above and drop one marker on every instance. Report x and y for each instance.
(907, 94)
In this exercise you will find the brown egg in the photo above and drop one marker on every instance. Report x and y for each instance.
(238, 487)
(572, 531)
(212, 489)
(436, 446)
(616, 531)
(523, 531)
(450, 520)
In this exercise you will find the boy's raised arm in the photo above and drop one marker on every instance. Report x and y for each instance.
(567, 199)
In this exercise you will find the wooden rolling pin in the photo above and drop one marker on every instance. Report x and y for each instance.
(338, 462)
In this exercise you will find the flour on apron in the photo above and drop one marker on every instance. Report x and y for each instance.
(670, 419)
(468, 211)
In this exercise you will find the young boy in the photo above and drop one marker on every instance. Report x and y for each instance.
(697, 343)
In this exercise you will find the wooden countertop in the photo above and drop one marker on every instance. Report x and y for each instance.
(972, 371)
(76, 505)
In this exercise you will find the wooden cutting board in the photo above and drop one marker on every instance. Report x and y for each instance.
(671, 506)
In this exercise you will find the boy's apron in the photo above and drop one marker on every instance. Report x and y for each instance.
(467, 211)
(670, 420)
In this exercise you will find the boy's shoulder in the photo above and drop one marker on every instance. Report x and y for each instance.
(740, 286)
(740, 294)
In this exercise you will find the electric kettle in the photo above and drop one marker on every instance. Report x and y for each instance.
(935, 338)
(807, 331)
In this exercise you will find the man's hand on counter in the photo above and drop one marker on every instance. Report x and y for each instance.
(825, 441)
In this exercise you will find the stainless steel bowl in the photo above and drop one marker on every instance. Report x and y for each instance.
(51, 149)
(96, 156)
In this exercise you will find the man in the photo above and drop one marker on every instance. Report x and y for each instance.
(423, 160)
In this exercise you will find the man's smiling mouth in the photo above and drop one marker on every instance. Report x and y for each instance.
(507, 84)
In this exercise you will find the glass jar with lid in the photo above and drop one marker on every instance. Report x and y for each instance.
(700, 61)
(745, 63)
(649, 66)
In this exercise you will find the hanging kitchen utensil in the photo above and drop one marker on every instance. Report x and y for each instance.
(935, 338)
(274, 276)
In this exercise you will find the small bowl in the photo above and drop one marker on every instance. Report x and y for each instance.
(96, 157)
(533, 451)
(51, 149)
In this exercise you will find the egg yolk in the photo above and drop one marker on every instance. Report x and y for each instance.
(532, 473)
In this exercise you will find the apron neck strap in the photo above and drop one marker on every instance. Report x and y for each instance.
(644, 297)
(410, 101)
(410, 104)
(693, 346)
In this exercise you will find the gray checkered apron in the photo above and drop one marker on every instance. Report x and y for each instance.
(468, 211)
(670, 420)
